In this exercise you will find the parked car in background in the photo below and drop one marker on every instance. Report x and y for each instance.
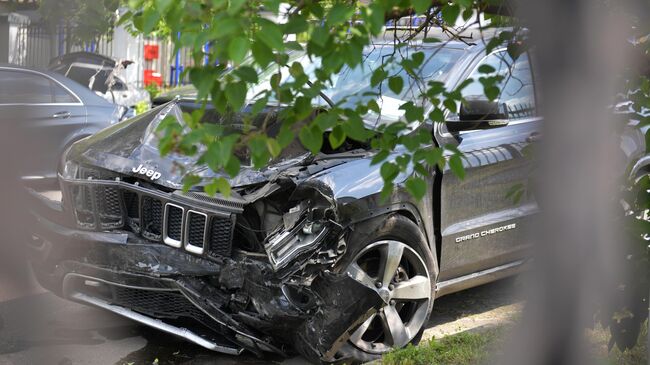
(42, 113)
(100, 74)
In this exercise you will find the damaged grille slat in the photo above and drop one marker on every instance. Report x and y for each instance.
(168, 218)
(152, 215)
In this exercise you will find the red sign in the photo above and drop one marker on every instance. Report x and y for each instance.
(150, 52)
(152, 77)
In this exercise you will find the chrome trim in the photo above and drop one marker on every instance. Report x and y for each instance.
(499, 217)
(479, 278)
(643, 161)
(189, 247)
(156, 323)
(166, 239)
(12, 69)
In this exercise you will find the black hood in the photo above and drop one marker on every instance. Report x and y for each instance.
(133, 144)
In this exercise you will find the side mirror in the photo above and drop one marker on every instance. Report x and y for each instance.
(479, 113)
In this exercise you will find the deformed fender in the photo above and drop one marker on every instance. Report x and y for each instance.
(354, 189)
(346, 304)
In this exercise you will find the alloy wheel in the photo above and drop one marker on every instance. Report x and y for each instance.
(399, 276)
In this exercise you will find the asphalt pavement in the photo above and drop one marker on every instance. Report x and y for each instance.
(44, 329)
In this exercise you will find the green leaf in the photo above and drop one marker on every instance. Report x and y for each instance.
(339, 14)
(238, 49)
(355, 129)
(421, 6)
(247, 73)
(464, 3)
(211, 188)
(437, 115)
(219, 184)
(285, 137)
(235, 6)
(372, 105)
(312, 138)
(236, 95)
(416, 186)
(389, 171)
(450, 104)
(232, 167)
(202, 79)
(273, 147)
(296, 24)
(337, 137)
(319, 36)
(431, 40)
(189, 181)
(412, 112)
(450, 13)
(380, 157)
(163, 6)
(486, 69)
(150, 19)
(433, 156)
(223, 186)
(491, 92)
(396, 83)
(262, 54)
(456, 166)
(325, 121)
(270, 34)
(378, 76)
(376, 15)
(417, 58)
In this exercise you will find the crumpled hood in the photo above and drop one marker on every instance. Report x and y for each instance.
(131, 148)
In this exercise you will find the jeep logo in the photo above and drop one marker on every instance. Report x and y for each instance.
(152, 174)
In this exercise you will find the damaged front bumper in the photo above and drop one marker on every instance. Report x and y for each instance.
(225, 304)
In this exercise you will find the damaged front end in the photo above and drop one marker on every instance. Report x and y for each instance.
(253, 271)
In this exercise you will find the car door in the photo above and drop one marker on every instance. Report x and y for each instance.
(41, 116)
(484, 216)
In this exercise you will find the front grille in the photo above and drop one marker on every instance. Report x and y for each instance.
(221, 236)
(196, 229)
(159, 304)
(174, 222)
(107, 205)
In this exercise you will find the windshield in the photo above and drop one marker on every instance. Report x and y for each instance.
(352, 85)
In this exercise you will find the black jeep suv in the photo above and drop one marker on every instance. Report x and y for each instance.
(304, 255)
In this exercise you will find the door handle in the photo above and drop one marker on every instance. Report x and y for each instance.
(534, 137)
(61, 115)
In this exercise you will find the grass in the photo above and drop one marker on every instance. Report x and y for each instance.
(463, 348)
(476, 348)
(599, 338)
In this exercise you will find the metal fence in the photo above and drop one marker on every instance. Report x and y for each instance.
(35, 46)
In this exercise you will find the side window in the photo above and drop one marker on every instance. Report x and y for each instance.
(61, 95)
(516, 89)
(18, 87)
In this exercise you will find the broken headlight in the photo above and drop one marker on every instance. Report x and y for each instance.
(286, 245)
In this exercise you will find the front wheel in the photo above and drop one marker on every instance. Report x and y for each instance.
(394, 261)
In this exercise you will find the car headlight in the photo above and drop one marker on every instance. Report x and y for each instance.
(286, 245)
(70, 169)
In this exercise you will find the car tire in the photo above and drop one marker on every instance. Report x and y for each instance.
(362, 239)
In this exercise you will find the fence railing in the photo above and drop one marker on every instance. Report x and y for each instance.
(36, 45)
